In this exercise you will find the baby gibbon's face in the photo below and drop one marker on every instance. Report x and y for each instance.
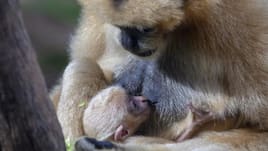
(143, 23)
(138, 110)
(115, 117)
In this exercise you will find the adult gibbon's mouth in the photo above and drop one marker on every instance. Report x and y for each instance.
(131, 39)
(145, 53)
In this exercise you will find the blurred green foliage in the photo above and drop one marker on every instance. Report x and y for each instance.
(55, 60)
(69, 145)
(62, 10)
(58, 17)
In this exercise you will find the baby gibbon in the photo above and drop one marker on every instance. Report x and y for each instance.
(116, 117)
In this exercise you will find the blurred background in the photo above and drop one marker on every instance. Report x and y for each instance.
(50, 24)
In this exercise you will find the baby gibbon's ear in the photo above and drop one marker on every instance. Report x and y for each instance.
(121, 133)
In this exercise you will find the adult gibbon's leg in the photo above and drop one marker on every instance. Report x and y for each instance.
(234, 140)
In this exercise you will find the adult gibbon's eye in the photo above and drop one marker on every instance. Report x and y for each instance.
(148, 30)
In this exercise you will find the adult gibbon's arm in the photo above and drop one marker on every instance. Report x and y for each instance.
(82, 79)
(28, 121)
(90, 70)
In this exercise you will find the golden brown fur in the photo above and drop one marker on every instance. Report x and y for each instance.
(222, 43)
(90, 70)
(230, 33)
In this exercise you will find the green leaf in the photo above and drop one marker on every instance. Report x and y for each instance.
(69, 144)
(82, 104)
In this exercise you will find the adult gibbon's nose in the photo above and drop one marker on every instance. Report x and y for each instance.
(117, 3)
(131, 38)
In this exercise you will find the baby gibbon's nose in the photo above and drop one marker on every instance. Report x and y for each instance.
(139, 105)
(140, 101)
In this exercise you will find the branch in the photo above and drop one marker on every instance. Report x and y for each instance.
(27, 118)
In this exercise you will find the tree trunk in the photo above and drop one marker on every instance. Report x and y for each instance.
(27, 119)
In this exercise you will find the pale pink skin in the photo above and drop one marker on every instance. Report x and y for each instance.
(123, 131)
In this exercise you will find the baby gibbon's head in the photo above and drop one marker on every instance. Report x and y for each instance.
(112, 114)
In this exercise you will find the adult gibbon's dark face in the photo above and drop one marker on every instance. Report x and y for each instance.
(143, 23)
(142, 42)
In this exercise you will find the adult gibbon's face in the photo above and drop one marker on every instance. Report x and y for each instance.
(143, 42)
(143, 23)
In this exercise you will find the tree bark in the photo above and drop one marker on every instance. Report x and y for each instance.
(28, 121)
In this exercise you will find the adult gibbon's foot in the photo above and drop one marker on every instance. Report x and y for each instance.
(91, 144)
